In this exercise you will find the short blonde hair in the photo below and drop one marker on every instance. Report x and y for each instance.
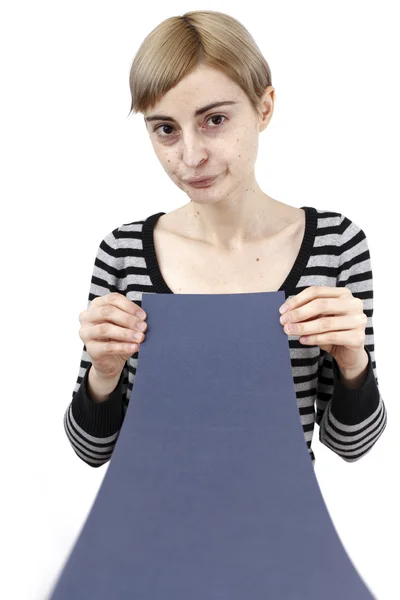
(178, 45)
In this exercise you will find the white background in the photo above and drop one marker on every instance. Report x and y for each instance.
(74, 167)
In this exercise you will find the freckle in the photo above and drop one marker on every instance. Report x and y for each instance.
(257, 259)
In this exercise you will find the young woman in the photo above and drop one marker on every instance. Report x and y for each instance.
(205, 92)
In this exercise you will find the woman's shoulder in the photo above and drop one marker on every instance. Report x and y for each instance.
(119, 245)
(335, 223)
(131, 230)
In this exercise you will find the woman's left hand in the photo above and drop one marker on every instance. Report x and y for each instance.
(332, 318)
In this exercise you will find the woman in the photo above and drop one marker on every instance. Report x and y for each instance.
(205, 92)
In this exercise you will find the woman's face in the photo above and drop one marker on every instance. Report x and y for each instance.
(221, 141)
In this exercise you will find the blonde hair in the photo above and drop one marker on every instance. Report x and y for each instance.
(180, 44)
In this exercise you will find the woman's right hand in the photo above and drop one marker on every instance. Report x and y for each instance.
(106, 330)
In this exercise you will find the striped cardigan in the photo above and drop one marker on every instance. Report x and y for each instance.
(334, 252)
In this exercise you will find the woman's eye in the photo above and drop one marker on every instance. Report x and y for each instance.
(163, 125)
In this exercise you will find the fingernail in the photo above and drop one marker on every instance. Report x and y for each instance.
(283, 308)
(141, 314)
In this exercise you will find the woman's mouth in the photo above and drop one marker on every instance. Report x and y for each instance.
(203, 183)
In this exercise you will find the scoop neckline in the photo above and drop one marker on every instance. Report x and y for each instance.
(288, 286)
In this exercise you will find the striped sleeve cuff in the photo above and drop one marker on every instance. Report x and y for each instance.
(93, 428)
(99, 419)
(351, 406)
(354, 418)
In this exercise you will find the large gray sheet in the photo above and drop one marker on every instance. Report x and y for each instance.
(210, 493)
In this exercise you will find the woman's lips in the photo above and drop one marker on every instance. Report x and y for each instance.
(204, 183)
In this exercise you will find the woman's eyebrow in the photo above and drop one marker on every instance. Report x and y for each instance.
(198, 112)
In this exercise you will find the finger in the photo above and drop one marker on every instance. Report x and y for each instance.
(97, 349)
(125, 322)
(111, 332)
(349, 337)
(326, 324)
(109, 313)
(121, 302)
(321, 306)
(316, 291)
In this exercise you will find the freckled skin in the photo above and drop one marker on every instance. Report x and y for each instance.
(234, 209)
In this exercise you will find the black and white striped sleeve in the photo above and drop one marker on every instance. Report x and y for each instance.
(92, 428)
(351, 420)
